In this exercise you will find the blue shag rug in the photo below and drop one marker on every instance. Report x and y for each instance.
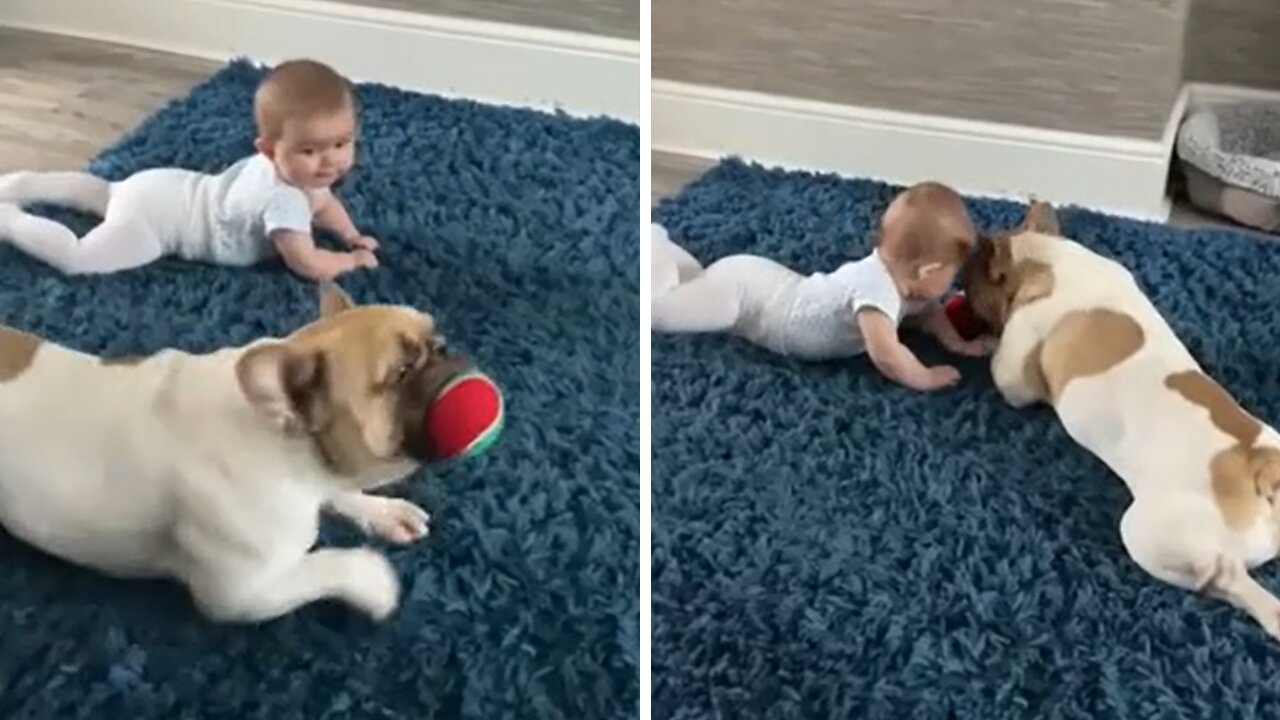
(519, 231)
(828, 545)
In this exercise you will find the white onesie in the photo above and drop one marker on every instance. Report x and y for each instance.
(225, 218)
(810, 317)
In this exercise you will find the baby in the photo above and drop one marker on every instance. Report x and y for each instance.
(261, 206)
(924, 237)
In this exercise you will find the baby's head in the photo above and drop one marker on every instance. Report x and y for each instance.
(925, 236)
(306, 118)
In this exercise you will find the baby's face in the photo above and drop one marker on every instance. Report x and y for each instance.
(937, 281)
(314, 152)
(932, 281)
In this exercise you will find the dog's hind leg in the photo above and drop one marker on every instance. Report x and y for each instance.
(360, 577)
(1181, 541)
(1233, 583)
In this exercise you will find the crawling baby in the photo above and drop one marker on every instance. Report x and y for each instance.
(261, 206)
(924, 237)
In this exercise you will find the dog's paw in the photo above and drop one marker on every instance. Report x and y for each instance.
(398, 521)
(372, 584)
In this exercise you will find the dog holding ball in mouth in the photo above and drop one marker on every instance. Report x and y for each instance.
(214, 469)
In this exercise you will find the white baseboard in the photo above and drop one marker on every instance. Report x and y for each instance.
(1122, 176)
(583, 75)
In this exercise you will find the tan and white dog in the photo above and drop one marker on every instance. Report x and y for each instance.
(213, 469)
(1077, 332)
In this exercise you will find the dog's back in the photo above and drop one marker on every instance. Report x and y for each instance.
(82, 450)
(70, 480)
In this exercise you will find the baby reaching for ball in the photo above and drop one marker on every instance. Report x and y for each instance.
(261, 206)
(924, 237)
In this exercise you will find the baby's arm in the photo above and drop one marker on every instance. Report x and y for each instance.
(934, 321)
(299, 252)
(332, 215)
(894, 359)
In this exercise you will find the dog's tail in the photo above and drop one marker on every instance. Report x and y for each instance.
(76, 190)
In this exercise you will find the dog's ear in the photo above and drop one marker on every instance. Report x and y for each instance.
(1041, 218)
(285, 384)
(999, 258)
(333, 299)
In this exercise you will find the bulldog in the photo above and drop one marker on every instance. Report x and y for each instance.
(213, 469)
(1078, 333)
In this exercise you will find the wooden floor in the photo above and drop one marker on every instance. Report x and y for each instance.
(62, 100)
(672, 172)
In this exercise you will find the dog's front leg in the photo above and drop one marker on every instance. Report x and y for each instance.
(1015, 367)
(360, 577)
(393, 519)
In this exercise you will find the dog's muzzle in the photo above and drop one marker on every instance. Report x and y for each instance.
(419, 393)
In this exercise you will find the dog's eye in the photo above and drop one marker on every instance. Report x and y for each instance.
(396, 377)
(402, 372)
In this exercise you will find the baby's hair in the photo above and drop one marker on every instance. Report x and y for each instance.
(298, 89)
(926, 223)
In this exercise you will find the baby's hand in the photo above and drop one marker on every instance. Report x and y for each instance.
(364, 259)
(940, 377)
(978, 347)
(363, 242)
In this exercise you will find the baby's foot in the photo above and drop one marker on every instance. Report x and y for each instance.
(9, 213)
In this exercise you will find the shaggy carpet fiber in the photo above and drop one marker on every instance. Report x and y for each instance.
(828, 545)
(519, 231)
